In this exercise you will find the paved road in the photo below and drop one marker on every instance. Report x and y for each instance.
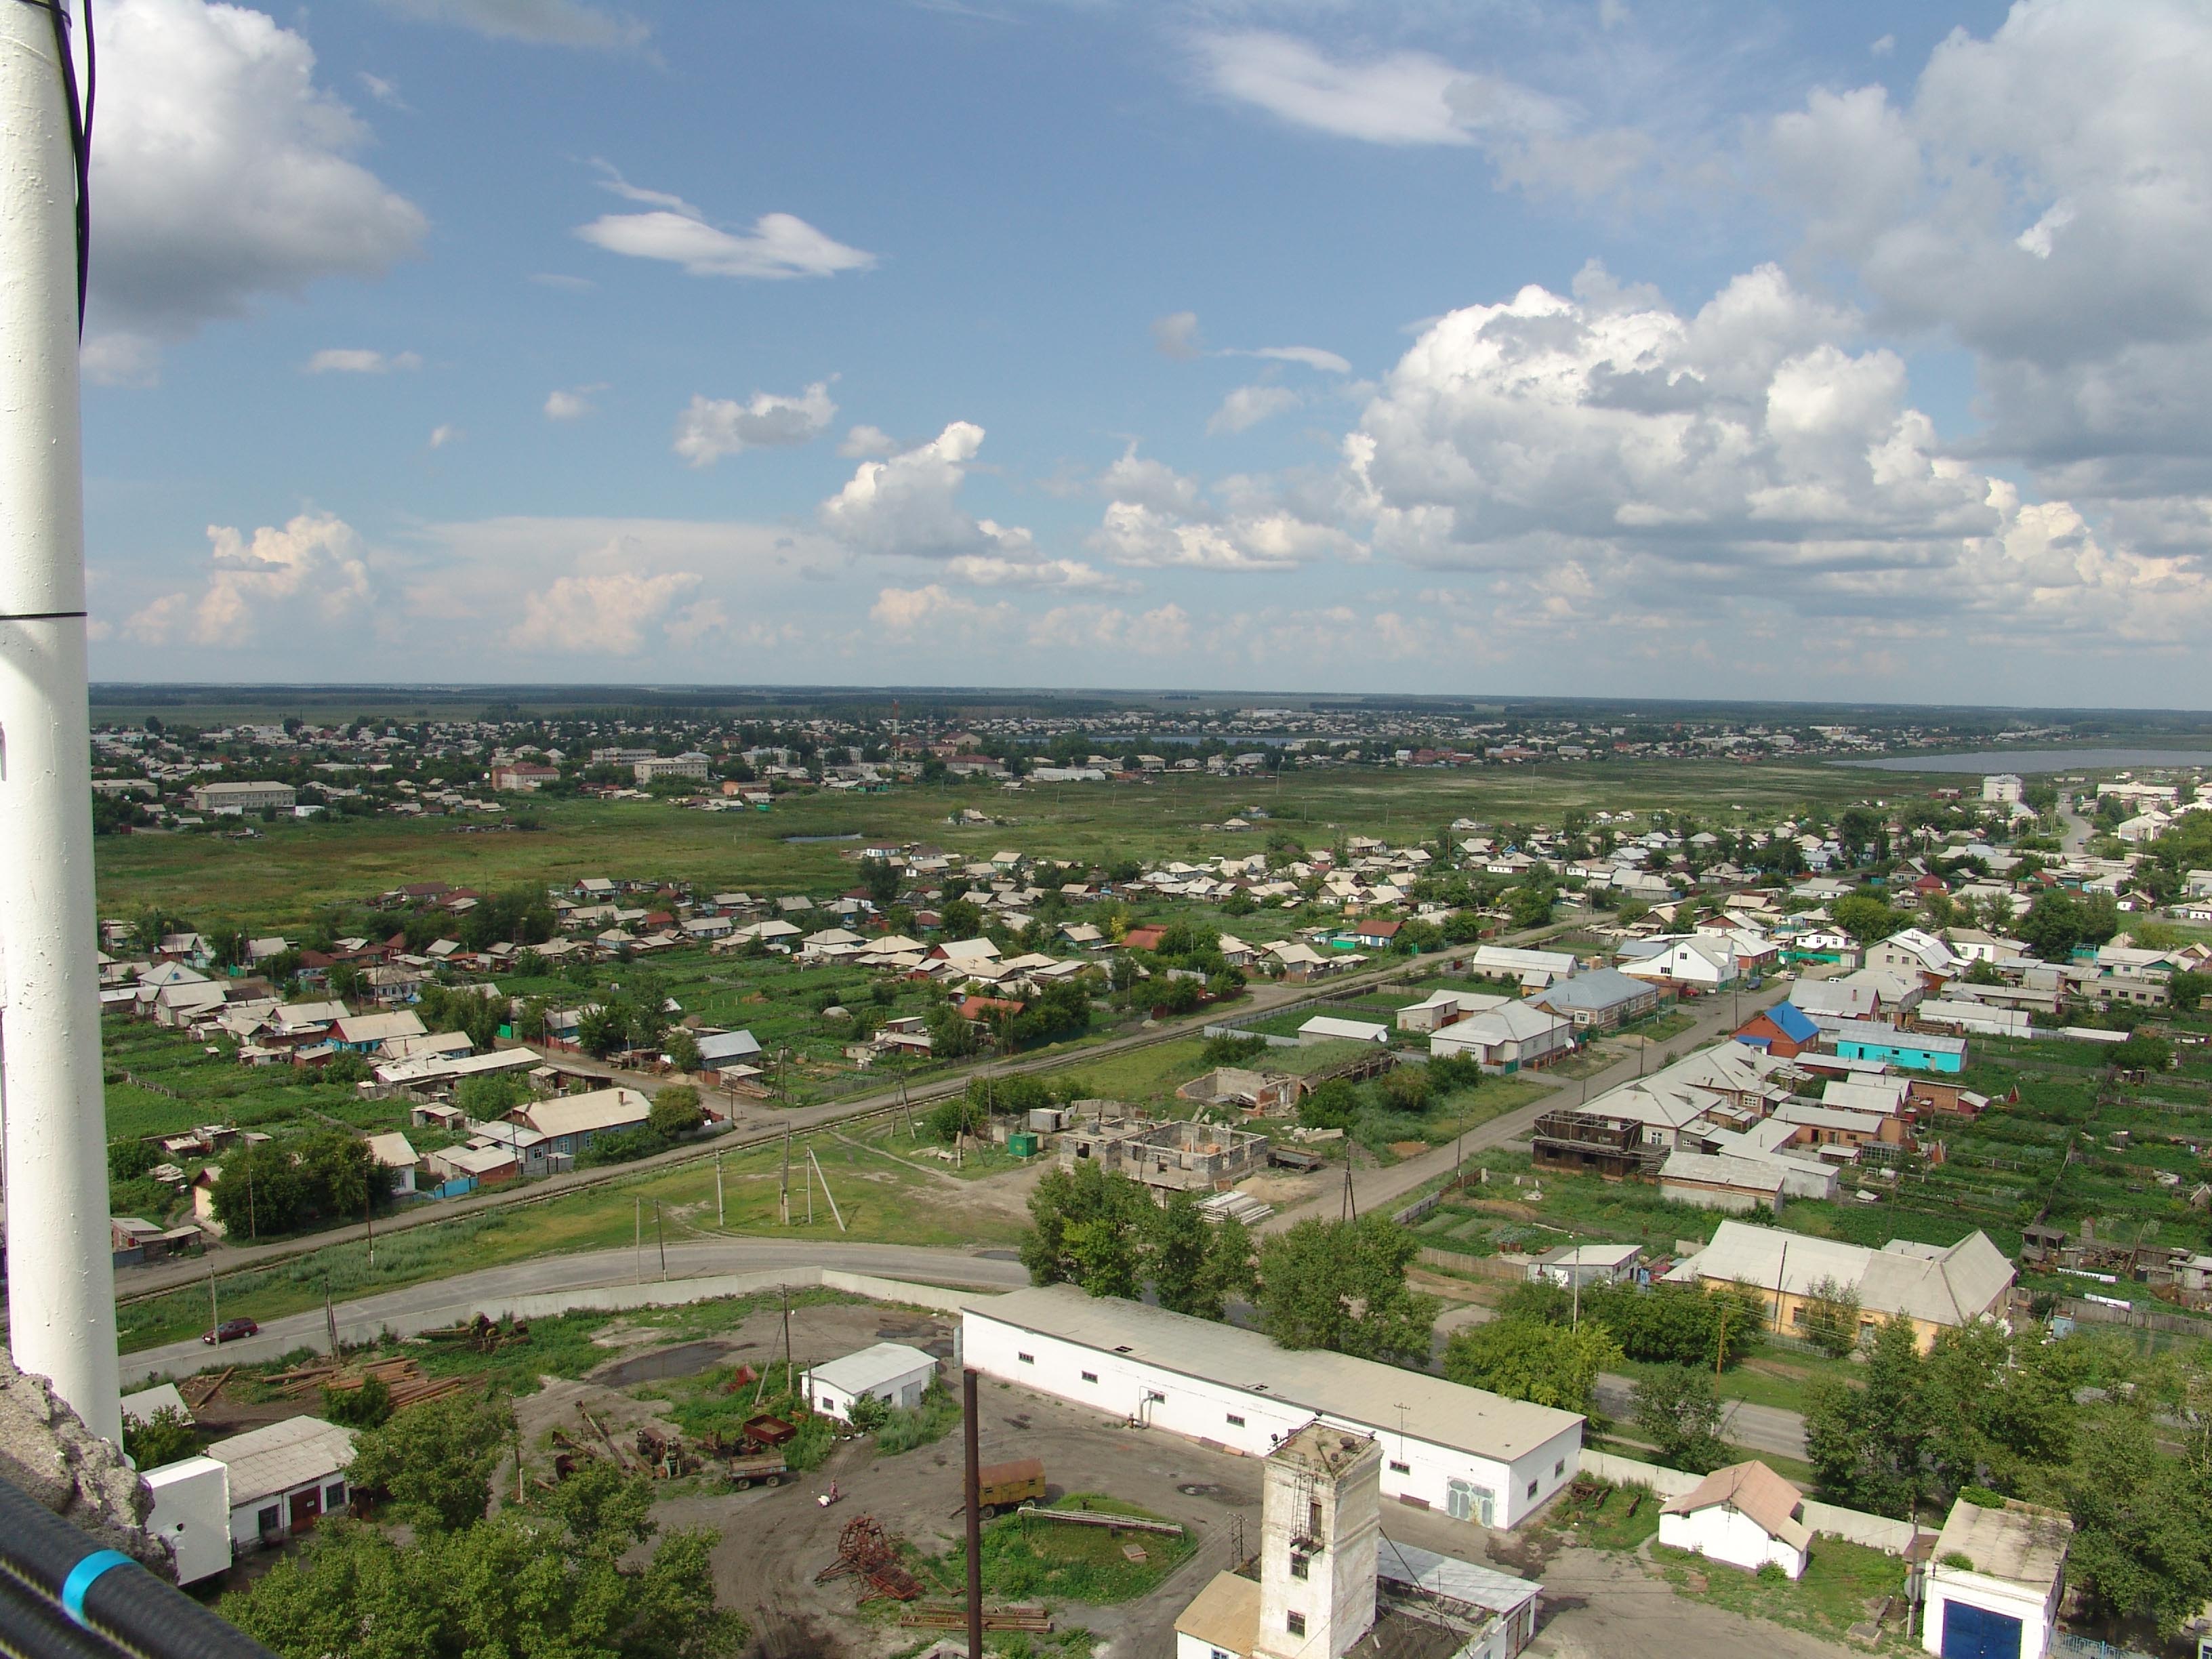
(435, 1302)
(1376, 1189)
(762, 1127)
(1755, 1428)
(2077, 832)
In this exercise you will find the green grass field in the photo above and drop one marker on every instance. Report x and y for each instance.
(296, 866)
(883, 1201)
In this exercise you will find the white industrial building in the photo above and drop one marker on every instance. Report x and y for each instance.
(890, 1371)
(1475, 1455)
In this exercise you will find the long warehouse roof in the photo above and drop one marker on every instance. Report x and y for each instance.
(1362, 1391)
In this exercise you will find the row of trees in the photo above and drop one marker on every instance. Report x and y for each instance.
(1339, 1285)
(555, 1576)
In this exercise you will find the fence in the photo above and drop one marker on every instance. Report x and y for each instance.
(1502, 1267)
(2141, 1318)
(1853, 1526)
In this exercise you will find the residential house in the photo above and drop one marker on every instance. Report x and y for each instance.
(1514, 1038)
(572, 1123)
(1784, 1030)
(1600, 1000)
(1936, 1287)
(1444, 1008)
(1745, 1514)
(1915, 1051)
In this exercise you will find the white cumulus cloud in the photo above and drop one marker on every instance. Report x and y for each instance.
(711, 427)
(571, 402)
(777, 245)
(909, 505)
(223, 172)
(609, 612)
(315, 565)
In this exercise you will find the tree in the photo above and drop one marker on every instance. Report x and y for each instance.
(1531, 904)
(1335, 1105)
(1087, 1228)
(675, 1111)
(549, 1581)
(260, 1192)
(363, 1408)
(1679, 1412)
(434, 1460)
(1341, 1285)
(2142, 1526)
(954, 1117)
(1832, 1317)
(2142, 1052)
(163, 1437)
(2054, 925)
(2186, 991)
(1406, 1089)
(682, 1049)
(1869, 1442)
(1531, 1360)
(492, 1095)
(1196, 1265)
(1865, 917)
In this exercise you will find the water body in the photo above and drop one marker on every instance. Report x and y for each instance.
(2037, 760)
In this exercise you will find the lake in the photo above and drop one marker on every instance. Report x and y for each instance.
(2037, 760)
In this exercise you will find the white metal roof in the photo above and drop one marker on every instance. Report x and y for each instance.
(1358, 1391)
(279, 1456)
(872, 1368)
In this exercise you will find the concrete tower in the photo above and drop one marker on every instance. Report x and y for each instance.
(1321, 1520)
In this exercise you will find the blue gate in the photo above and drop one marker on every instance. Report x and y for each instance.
(1971, 1632)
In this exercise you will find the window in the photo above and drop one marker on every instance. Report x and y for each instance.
(1297, 1567)
(1235, 1421)
(334, 1496)
(1091, 1377)
(1559, 1468)
(1313, 1518)
(1532, 1489)
(1797, 1315)
(266, 1521)
(1401, 1468)
(1155, 1396)
(828, 1404)
(1295, 1622)
(1026, 1359)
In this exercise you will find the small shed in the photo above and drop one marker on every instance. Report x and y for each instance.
(1745, 1514)
(1995, 1581)
(1330, 1028)
(890, 1371)
(283, 1478)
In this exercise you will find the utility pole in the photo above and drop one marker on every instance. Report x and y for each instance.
(369, 1220)
(215, 1320)
(637, 1240)
(783, 1191)
(61, 1288)
(659, 1238)
(718, 1190)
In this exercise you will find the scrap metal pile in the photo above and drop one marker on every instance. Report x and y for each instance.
(865, 1552)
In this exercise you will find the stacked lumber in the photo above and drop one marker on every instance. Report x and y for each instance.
(953, 1615)
(401, 1376)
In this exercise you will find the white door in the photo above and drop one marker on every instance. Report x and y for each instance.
(1465, 1501)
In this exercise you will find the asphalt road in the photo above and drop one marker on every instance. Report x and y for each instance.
(1377, 1188)
(445, 1301)
(1755, 1428)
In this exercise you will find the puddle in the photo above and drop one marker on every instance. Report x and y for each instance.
(686, 1359)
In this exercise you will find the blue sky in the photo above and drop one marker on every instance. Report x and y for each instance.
(1454, 348)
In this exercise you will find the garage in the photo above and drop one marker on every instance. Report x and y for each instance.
(1972, 1632)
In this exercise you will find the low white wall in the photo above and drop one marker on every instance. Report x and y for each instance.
(611, 1298)
(1827, 1520)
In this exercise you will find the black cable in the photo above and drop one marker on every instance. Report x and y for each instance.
(80, 120)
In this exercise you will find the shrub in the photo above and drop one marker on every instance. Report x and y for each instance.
(363, 1408)
(161, 1438)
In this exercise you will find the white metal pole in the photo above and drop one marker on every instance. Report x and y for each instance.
(61, 1282)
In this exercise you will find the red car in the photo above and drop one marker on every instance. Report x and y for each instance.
(230, 1330)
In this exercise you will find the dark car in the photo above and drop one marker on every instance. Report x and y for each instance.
(230, 1330)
